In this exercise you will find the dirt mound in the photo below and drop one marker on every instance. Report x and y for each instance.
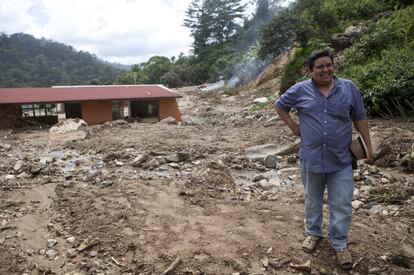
(210, 179)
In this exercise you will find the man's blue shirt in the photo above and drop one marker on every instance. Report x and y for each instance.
(325, 122)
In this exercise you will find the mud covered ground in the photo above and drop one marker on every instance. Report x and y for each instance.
(195, 198)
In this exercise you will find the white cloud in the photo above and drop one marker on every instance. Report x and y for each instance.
(125, 31)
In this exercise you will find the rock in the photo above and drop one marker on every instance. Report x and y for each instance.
(169, 120)
(23, 175)
(270, 161)
(265, 262)
(258, 153)
(341, 41)
(82, 247)
(51, 242)
(344, 40)
(119, 163)
(153, 163)
(5, 146)
(261, 100)
(51, 254)
(264, 184)
(67, 125)
(107, 183)
(70, 239)
(174, 165)
(93, 254)
(71, 253)
(139, 160)
(368, 182)
(373, 170)
(384, 180)
(356, 204)
(376, 209)
(259, 177)
(292, 159)
(356, 193)
(172, 158)
(35, 170)
(353, 30)
(323, 270)
(18, 166)
(374, 270)
(10, 177)
(302, 266)
(161, 160)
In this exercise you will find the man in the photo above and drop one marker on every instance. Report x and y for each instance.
(326, 107)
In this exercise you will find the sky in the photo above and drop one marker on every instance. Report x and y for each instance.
(122, 31)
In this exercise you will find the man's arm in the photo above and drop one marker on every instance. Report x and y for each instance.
(363, 129)
(285, 116)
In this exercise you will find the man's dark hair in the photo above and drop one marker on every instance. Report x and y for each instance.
(318, 54)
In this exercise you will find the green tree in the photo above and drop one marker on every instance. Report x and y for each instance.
(213, 21)
(279, 34)
(155, 68)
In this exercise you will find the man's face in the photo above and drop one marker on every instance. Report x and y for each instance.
(323, 71)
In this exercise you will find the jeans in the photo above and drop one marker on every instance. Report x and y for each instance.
(340, 186)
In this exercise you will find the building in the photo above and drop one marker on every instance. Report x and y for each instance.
(93, 104)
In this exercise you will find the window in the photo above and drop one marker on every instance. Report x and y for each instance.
(117, 110)
(39, 110)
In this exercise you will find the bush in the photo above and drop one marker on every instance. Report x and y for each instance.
(381, 63)
(387, 83)
(394, 31)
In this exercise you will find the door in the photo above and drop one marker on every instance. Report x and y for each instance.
(144, 108)
(73, 110)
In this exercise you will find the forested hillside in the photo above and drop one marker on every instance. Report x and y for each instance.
(29, 62)
(373, 41)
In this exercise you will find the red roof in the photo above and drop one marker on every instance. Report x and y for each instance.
(61, 94)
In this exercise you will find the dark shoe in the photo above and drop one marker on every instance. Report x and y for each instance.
(344, 258)
(310, 243)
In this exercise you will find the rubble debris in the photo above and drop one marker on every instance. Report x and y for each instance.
(302, 266)
(68, 125)
(169, 120)
(172, 267)
(270, 161)
(196, 190)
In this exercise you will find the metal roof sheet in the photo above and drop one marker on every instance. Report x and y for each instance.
(59, 94)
